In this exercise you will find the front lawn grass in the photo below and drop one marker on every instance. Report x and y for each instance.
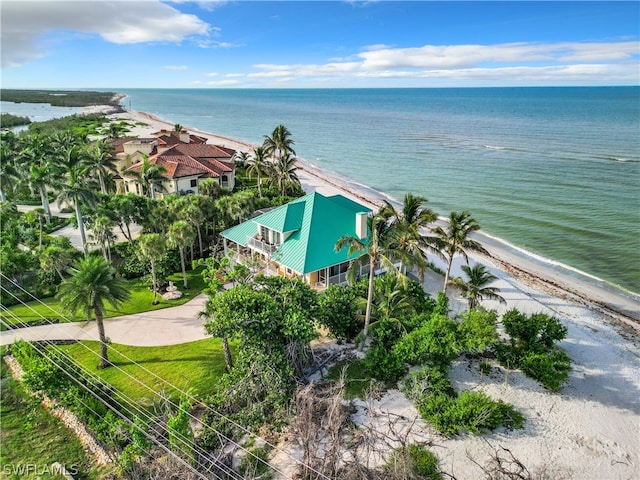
(141, 301)
(32, 440)
(194, 366)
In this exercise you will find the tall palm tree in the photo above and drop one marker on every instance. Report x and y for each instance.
(378, 247)
(9, 171)
(150, 176)
(455, 239)
(151, 248)
(258, 165)
(180, 235)
(38, 170)
(279, 143)
(77, 190)
(284, 171)
(410, 222)
(100, 163)
(476, 288)
(91, 285)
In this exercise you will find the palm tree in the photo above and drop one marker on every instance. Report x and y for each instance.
(180, 235)
(38, 170)
(177, 127)
(455, 239)
(377, 248)
(476, 289)
(92, 284)
(78, 189)
(150, 176)
(100, 163)
(390, 300)
(151, 248)
(410, 223)
(279, 143)
(258, 165)
(284, 170)
(9, 171)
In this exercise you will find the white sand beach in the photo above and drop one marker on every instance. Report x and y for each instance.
(591, 428)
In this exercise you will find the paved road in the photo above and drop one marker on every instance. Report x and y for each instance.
(168, 326)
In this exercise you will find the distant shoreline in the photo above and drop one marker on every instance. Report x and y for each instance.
(621, 307)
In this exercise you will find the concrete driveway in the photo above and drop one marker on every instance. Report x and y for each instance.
(168, 326)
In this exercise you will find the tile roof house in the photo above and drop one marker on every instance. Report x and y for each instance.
(298, 239)
(186, 166)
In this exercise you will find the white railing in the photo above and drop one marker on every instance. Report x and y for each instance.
(261, 246)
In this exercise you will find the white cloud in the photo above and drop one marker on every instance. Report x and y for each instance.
(25, 23)
(224, 83)
(176, 67)
(553, 63)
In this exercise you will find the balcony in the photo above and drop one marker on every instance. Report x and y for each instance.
(263, 247)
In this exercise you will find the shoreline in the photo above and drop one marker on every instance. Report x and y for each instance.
(619, 306)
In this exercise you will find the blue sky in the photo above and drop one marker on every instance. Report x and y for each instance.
(241, 44)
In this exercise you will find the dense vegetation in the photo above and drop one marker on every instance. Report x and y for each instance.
(251, 378)
(9, 121)
(59, 98)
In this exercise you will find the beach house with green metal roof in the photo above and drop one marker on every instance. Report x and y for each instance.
(298, 239)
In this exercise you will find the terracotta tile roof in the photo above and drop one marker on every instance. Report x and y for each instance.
(184, 160)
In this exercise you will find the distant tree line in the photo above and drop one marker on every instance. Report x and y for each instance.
(59, 98)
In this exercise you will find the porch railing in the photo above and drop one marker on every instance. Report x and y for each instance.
(261, 246)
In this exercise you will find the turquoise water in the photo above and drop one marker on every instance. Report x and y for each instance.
(553, 170)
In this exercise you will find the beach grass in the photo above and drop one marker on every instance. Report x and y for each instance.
(357, 380)
(141, 300)
(141, 374)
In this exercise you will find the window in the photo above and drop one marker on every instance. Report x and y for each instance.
(276, 238)
(194, 183)
(126, 187)
(225, 178)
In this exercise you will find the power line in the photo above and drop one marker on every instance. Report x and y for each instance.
(186, 394)
(133, 406)
(113, 409)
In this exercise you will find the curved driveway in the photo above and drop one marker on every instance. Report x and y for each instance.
(168, 326)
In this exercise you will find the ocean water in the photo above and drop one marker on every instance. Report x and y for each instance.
(555, 171)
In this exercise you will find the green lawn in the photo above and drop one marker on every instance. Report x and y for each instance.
(32, 439)
(195, 365)
(141, 301)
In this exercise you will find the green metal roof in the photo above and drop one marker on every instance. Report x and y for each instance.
(286, 218)
(239, 233)
(317, 221)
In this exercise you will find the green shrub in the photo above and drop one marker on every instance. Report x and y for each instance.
(549, 368)
(435, 343)
(425, 461)
(426, 381)
(414, 461)
(531, 347)
(383, 364)
(337, 312)
(473, 412)
(537, 333)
